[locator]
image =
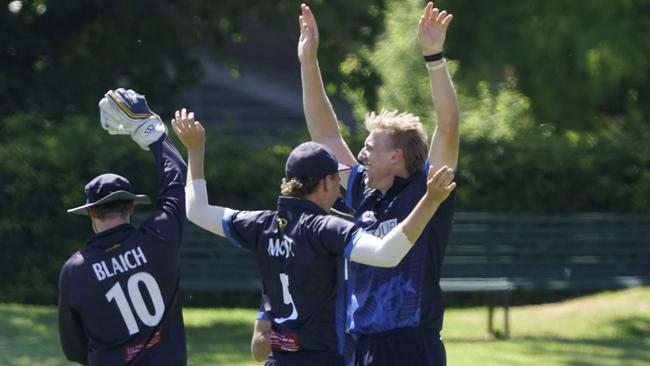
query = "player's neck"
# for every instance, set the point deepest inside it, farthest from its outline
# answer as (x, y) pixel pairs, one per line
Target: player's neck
(319, 200)
(388, 183)
(101, 225)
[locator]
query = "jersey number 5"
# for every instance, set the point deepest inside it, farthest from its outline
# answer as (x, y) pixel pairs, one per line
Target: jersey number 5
(116, 293)
(288, 300)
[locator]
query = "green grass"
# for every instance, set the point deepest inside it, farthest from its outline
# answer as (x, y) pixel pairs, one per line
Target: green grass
(610, 328)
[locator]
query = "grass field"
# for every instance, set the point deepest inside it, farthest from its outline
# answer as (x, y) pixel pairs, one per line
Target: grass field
(606, 329)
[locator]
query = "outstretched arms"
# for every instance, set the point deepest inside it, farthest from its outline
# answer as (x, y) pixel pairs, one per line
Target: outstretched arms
(321, 119)
(432, 30)
(199, 211)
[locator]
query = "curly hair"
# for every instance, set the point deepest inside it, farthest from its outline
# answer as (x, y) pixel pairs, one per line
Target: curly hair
(298, 188)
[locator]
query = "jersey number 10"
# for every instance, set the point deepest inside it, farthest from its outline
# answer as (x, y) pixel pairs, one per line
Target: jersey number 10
(116, 293)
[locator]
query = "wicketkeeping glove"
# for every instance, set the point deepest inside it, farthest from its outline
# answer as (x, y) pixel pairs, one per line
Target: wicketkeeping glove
(125, 112)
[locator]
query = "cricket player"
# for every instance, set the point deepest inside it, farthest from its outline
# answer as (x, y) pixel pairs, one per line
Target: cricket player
(298, 247)
(261, 337)
(395, 314)
(119, 295)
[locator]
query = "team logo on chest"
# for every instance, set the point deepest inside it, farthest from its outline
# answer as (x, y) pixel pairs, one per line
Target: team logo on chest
(368, 218)
(281, 247)
(384, 228)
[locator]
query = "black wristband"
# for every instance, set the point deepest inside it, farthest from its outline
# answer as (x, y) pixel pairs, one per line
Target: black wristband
(434, 57)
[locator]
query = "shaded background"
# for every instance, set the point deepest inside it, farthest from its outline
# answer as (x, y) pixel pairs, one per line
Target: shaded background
(554, 100)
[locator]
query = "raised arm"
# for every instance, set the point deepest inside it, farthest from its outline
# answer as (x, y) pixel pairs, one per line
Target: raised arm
(192, 135)
(319, 114)
(432, 30)
(389, 251)
(169, 217)
(124, 112)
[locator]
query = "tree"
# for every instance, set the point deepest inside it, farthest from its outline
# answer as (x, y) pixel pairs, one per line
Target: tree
(58, 57)
(511, 159)
(45, 165)
(583, 65)
(577, 61)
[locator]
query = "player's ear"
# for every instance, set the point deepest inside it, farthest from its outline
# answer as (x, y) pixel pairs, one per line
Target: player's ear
(131, 208)
(91, 212)
(398, 154)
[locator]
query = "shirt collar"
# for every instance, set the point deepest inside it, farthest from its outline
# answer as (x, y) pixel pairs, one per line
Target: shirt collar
(286, 203)
(400, 183)
(100, 239)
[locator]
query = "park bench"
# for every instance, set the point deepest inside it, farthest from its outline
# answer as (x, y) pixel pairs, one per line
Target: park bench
(488, 253)
(502, 253)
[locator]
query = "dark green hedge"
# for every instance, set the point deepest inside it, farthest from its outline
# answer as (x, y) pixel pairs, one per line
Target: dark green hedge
(45, 164)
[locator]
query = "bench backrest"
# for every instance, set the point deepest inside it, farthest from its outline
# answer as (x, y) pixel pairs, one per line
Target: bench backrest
(210, 262)
(531, 251)
(577, 251)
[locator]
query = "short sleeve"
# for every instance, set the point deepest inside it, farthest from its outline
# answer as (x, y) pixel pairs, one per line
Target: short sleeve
(243, 228)
(355, 187)
(263, 315)
(265, 308)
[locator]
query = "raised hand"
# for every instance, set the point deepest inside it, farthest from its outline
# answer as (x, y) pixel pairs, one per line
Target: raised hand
(440, 183)
(432, 29)
(190, 132)
(125, 112)
(308, 42)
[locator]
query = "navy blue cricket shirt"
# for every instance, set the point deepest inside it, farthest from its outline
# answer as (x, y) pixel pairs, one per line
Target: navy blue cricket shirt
(299, 250)
(408, 295)
(119, 295)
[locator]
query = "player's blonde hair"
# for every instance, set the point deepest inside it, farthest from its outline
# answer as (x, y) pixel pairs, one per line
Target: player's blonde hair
(406, 133)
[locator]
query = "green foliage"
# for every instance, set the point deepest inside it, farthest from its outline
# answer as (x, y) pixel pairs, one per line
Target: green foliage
(510, 163)
(510, 160)
(44, 166)
(58, 57)
(245, 173)
(514, 165)
(579, 63)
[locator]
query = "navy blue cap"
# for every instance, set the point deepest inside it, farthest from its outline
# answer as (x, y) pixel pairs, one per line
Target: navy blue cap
(107, 188)
(311, 160)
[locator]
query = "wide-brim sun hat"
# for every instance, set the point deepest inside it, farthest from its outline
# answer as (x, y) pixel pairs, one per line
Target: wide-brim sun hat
(107, 188)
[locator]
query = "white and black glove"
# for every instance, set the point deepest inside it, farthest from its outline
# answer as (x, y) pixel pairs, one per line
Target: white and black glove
(125, 112)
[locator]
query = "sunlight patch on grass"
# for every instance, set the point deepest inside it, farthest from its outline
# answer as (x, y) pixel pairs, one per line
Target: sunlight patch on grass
(607, 329)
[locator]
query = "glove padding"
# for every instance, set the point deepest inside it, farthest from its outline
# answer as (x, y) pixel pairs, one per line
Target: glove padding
(125, 112)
